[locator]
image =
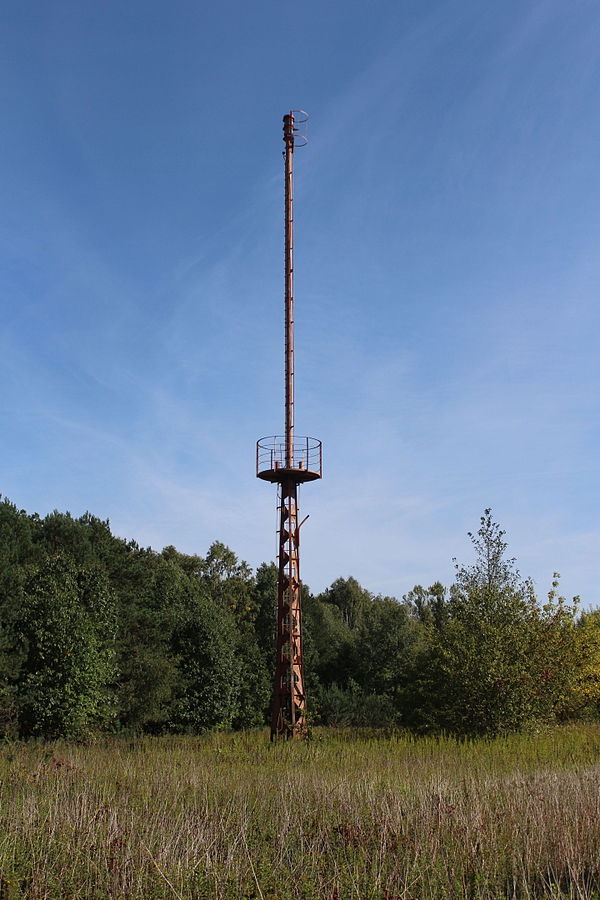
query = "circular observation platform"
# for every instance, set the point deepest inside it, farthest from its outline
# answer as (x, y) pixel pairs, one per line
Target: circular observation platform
(272, 464)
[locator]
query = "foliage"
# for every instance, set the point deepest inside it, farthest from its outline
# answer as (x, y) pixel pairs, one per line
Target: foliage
(353, 707)
(383, 654)
(66, 626)
(204, 643)
(18, 555)
(150, 591)
(428, 606)
(331, 640)
(586, 690)
(350, 598)
(98, 633)
(495, 660)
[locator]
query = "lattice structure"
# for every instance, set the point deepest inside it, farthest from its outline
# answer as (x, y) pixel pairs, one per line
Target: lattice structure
(289, 700)
(289, 461)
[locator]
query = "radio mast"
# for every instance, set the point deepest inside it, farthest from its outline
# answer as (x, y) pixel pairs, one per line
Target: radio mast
(289, 461)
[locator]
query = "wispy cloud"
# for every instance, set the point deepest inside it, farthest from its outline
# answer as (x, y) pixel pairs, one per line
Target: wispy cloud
(447, 283)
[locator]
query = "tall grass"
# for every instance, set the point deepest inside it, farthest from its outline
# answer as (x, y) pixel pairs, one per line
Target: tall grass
(344, 816)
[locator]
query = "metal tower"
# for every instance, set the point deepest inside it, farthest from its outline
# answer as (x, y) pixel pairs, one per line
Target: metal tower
(288, 461)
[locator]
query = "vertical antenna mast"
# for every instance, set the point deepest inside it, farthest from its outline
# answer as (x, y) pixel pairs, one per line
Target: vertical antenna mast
(288, 137)
(289, 461)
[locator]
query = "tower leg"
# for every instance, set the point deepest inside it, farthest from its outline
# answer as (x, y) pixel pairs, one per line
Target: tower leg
(289, 699)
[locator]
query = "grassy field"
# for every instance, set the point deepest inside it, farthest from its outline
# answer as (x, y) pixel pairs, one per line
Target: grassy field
(344, 815)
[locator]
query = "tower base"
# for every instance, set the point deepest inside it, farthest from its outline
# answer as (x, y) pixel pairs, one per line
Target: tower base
(289, 699)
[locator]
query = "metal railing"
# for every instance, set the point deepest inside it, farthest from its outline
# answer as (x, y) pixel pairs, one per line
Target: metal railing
(271, 454)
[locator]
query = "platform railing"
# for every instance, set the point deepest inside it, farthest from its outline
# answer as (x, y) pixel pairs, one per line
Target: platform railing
(271, 454)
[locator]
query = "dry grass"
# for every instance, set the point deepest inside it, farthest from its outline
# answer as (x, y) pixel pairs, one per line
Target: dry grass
(342, 817)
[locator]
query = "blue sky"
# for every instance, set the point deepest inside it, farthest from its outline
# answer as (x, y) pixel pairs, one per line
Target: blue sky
(447, 275)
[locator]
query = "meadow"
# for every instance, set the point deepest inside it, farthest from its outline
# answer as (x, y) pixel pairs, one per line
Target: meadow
(346, 815)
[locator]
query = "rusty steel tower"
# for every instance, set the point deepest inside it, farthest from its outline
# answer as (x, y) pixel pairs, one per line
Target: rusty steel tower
(289, 461)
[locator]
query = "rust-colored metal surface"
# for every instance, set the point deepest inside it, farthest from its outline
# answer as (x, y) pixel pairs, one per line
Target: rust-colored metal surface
(272, 457)
(289, 461)
(288, 137)
(288, 717)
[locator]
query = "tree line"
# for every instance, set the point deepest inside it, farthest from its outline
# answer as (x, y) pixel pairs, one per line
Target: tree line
(98, 634)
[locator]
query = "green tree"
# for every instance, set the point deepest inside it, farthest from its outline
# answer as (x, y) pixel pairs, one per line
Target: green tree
(204, 642)
(229, 583)
(151, 592)
(585, 695)
(329, 640)
(66, 627)
(349, 597)
(428, 606)
(383, 659)
(265, 603)
(489, 663)
(18, 554)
